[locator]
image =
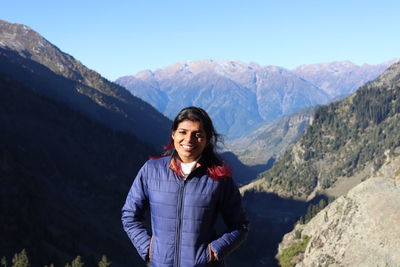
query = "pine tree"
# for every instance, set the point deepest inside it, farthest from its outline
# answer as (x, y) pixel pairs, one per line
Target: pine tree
(3, 262)
(301, 220)
(321, 204)
(77, 262)
(20, 259)
(104, 262)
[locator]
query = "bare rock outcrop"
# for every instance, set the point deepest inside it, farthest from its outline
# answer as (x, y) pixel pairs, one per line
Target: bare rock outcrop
(359, 229)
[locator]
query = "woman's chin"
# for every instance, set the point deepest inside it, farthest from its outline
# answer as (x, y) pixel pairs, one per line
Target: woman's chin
(188, 157)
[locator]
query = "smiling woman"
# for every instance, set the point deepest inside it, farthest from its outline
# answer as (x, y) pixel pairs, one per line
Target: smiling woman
(185, 190)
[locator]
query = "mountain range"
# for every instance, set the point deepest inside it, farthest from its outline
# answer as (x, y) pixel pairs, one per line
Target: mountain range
(340, 78)
(240, 97)
(237, 96)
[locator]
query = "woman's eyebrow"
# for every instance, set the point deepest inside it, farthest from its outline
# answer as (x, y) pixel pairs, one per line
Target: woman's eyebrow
(183, 129)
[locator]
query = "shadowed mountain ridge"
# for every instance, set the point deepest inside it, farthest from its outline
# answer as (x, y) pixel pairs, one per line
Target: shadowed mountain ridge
(85, 91)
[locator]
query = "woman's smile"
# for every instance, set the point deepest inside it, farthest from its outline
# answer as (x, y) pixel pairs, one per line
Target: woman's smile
(187, 147)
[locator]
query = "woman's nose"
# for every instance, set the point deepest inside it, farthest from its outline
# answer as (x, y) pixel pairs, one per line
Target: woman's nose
(190, 138)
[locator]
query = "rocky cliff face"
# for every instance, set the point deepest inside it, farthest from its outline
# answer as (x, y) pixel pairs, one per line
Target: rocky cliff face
(359, 229)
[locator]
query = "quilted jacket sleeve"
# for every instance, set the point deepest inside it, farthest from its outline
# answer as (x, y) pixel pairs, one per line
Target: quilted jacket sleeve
(133, 214)
(234, 216)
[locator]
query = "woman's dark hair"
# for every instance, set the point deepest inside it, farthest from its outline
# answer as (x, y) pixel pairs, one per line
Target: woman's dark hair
(217, 169)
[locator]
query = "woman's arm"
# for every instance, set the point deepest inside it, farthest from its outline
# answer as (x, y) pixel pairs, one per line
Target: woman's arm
(234, 216)
(133, 214)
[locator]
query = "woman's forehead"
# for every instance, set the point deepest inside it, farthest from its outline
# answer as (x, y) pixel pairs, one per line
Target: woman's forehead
(191, 125)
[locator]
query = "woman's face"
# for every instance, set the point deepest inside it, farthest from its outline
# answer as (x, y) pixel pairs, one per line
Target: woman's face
(189, 140)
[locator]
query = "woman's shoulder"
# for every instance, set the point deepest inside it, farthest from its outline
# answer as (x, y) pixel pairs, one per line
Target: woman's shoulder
(158, 162)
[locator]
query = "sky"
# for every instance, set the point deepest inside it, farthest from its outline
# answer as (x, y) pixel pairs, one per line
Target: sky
(122, 37)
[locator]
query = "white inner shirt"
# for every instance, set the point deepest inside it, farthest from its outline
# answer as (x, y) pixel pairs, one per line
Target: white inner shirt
(187, 168)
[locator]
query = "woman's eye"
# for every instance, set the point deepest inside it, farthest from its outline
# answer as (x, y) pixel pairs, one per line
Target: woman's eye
(199, 135)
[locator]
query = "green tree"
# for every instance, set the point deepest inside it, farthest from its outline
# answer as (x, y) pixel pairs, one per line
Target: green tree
(77, 262)
(21, 259)
(321, 204)
(3, 262)
(104, 262)
(297, 234)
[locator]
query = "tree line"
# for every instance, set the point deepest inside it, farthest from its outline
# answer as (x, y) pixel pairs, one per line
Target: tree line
(21, 260)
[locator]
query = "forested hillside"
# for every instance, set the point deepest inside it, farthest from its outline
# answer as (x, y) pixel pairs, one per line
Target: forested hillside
(344, 139)
(63, 181)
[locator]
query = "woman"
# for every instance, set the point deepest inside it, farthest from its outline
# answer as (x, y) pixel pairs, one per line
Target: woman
(185, 190)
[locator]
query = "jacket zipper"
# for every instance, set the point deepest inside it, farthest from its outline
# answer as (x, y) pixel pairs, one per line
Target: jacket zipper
(179, 222)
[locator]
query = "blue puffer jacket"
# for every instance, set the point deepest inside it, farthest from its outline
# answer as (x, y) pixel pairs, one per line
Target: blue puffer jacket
(183, 215)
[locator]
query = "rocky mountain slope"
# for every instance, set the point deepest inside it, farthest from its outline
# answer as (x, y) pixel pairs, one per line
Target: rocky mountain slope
(340, 78)
(346, 139)
(25, 55)
(238, 96)
(358, 229)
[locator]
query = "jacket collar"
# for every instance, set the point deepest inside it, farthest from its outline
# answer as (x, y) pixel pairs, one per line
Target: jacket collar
(174, 161)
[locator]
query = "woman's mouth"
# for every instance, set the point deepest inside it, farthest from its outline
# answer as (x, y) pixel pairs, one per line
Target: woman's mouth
(188, 147)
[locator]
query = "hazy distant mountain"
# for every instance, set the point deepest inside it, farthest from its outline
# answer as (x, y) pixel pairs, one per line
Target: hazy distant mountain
(271, 139)
(238, 96)
(342, 77)
(25, 55)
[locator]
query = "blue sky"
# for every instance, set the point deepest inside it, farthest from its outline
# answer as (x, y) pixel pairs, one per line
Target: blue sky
(122, 37)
